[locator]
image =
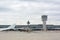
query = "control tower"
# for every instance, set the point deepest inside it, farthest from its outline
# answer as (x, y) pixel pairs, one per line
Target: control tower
(44, 19)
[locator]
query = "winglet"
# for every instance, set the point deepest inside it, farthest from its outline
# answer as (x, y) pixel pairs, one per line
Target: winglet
(12, 26)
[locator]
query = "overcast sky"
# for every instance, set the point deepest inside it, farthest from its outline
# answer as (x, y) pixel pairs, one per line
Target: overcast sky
(20, 11)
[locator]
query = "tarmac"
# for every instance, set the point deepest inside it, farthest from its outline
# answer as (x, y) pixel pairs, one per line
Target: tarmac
(35, 35)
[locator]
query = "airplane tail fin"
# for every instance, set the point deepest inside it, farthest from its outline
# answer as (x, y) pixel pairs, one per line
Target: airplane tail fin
(12, 26)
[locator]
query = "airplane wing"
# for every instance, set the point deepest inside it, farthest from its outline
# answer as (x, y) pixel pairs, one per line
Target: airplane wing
(10, 27)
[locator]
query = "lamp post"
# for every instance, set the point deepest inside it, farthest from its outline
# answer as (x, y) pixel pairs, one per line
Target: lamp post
(28, 27)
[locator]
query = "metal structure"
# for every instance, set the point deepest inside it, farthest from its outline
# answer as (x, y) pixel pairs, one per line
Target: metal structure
(44, 19)
(28, 26)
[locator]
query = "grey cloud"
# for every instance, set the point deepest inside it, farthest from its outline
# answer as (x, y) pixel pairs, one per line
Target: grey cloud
(42, 0)
(39, 0)
(46, 1)
(4, 9)
(56, 14)
(35, 11)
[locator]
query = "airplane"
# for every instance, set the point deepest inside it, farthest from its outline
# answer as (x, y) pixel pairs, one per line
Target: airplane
(8, 28)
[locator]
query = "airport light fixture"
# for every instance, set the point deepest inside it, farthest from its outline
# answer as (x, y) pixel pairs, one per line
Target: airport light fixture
(28, 22)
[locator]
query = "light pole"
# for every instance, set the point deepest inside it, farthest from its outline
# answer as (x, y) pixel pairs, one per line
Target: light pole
(44, 19)
(28, 27)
